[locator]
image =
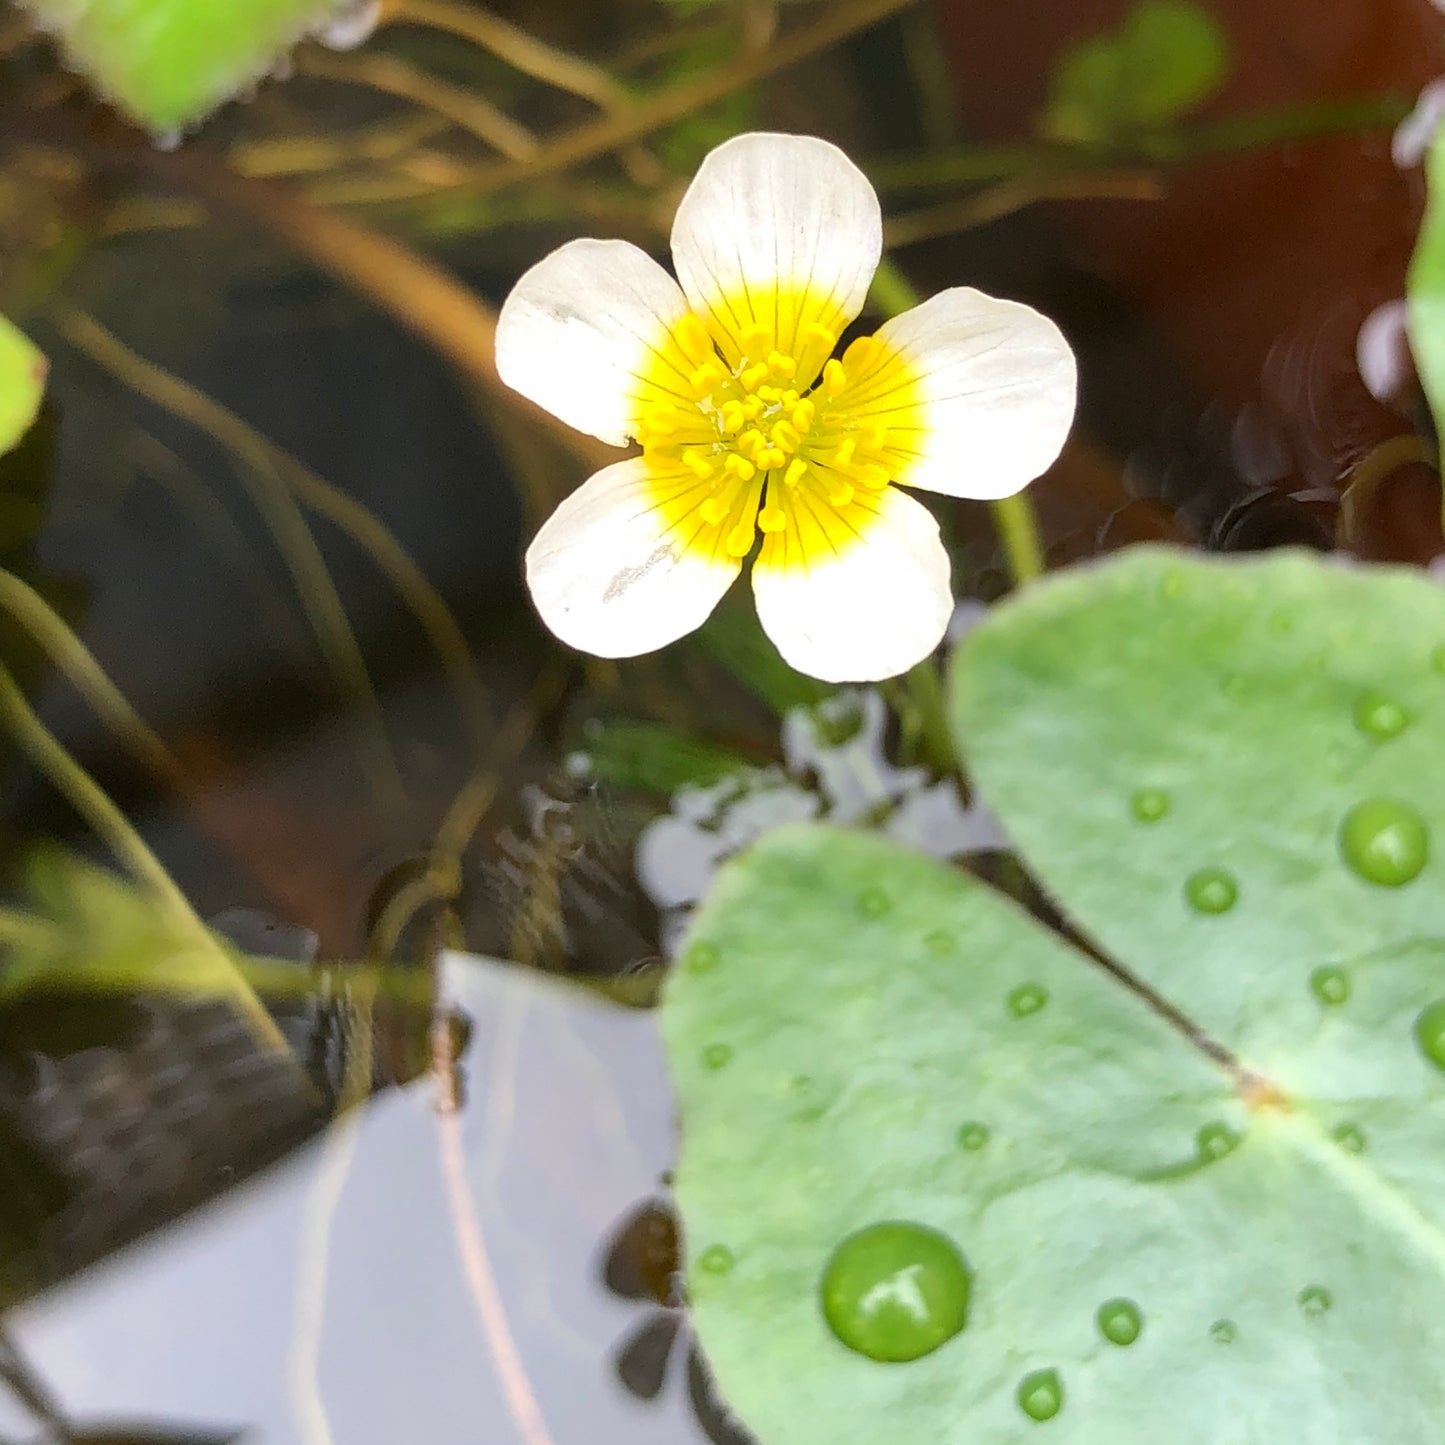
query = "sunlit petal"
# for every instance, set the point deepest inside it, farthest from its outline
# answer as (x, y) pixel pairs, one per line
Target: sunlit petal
(623, 566)
(968, 395)
(855, 593)
(775, 243)
(586, 334)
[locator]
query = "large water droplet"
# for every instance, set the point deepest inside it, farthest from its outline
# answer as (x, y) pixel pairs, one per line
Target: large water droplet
(1149, 804)
(1119, 1321)
(1223, 1332)
(716, 1056)
(716, 1259)
(973, 1137)
(1315, 1300)
(896, 1291)
(1378, 716)
(1041, 1394)
(1430, 1032)
(1211, 890)
(703, 958)
(1385, 841)
(1026, 999)
(1214, 1140)
(874, 903)
(1330, 985)
(1350, 1138)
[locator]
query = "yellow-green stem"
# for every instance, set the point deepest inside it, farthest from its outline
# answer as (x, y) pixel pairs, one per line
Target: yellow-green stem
(1018, 529)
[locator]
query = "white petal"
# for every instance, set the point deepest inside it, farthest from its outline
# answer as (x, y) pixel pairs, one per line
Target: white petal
(984, 399)
(609, 573)
(767, 220)
(581, 328)
(869, 609)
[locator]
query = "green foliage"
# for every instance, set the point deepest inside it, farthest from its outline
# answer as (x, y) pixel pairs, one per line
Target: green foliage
(1425, 287)
(170, 62)
(1216, 1219)
(22, 384)
(1167, 57)
(653, 757)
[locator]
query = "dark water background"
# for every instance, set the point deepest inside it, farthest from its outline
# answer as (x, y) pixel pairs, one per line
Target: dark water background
(1216, 309)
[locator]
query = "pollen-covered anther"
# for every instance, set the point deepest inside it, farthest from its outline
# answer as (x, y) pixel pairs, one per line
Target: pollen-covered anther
(740, 467)
(700, 462)
(786, 437)
(840, 493)
(819, 335)
(802, 416)
(752, 377)
(773, 457)
(797, 470)
(781, 365)
(662, 418)
(872, 476)
(740, 539)
(834, 377)
(706, 379)
(844, 454)
(754, 337)
(693, 340)
(713, 510)
(732, 416)
(772, 519)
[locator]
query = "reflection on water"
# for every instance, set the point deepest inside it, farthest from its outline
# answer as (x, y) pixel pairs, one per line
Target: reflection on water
(290, 535)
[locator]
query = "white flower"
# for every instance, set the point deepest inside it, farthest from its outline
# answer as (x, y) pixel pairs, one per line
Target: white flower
(747, 425)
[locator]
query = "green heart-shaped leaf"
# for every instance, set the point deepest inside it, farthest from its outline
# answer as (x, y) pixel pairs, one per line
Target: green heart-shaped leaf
(171, 62)
(22, 384)
(1168, 1236)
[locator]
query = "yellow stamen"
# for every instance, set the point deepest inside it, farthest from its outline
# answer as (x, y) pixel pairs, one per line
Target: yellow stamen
(707, 378)
(661, 417)
(740, 467)
(699, 461)
(740, 540)
(819, 335)
(861, 354)
(755, 336)
(713, 510)
(797, 469)
(753, 376)
(874, 477)
(772, 519)
(782, 365)
(834, 378)
(803, 415)
(841, 494)
(786, 437)
(844, 454)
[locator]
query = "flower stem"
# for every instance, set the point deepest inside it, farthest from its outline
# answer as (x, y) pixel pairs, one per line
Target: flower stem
(1018, 528)
(925, 692)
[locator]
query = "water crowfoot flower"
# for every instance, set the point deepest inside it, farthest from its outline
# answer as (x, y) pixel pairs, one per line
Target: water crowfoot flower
(750, 426)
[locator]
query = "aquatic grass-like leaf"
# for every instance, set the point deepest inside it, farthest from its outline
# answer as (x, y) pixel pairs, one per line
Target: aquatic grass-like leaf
(1165, 59)
(1167, 1235)
(22, 384)
(168, 63)
(1425, 287)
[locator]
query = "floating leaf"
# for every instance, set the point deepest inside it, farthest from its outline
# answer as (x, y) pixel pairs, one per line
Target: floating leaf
(1167, 57)
(171, 62)
(1157, 1241)
(22, 384)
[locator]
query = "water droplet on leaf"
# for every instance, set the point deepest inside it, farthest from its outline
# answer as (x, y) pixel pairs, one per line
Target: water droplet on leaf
(1223, 1332)
(1041, 1394)
(715, 1056)
(1378, 716)
(1430, 1032)
(716, 1259)
(973, 1137)
(1211, 890)
(1214, 1140)
(1149, 804)
(1174, 586)
(1119, 1321)
(1385, 841)
(703, 958)
(896, 1291)
(874, 903)
(1330, 985)
(940, 941)
(1235, 685)
(1026, 999)
(1350, 1138)
(1315, 1300)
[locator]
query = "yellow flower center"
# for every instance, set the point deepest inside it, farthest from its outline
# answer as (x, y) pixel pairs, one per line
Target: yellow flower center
(766, 443)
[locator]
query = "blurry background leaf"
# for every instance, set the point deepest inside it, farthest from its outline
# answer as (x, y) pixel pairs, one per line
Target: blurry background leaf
(1425, 287)
(1168, 57)
(169, 62)
(22, 384)
(652, 757)
(153, 1435)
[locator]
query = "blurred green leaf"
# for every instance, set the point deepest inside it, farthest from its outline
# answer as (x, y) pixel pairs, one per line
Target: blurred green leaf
(22, 384)
(1168, 57)
(170, 62)
(735, 640)
(652, 757)
(1425, 286)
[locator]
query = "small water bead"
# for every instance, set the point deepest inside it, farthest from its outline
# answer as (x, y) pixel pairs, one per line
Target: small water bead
(1119, 1321)
(1315, 1300)
(717, 1056)
(1378, 716)
(1214, 1140)
(973, 1137)
(1385, 841)
(1211, 890)
(1149, 804)
(1430, 1032)
(940, 941)
(703, 958)
(1350, 1138)
(896, 1291)
(1223, 1332)
(1041, 1394)
(1331, 985)
(1174, 586)
(874, 903)
(1026, 999)
(716, 1259)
